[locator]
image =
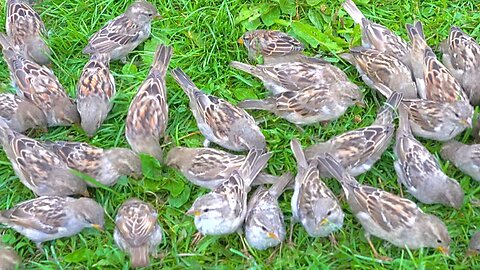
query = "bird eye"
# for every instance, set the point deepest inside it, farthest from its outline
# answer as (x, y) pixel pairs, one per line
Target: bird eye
(206, 210)
(329, 212)
(439, 241)
(264, 228)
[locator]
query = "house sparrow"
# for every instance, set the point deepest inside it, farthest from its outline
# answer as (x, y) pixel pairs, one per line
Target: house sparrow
(377, 36)
(105, 165)
(464, 157)
(380, 70)
(21, 114)
(274, 46)
(137, 231)
(264, 226)
(38, 168)
(296, 76)
(148, 113)
(420, 172)
(219, 121)
(438, 83)
(313, 203)
(437, 120)
(461, 56)
(95, 91)
(314, 104)
(40, 86)
(209, 167)
(25, 29)
(359, 149)
(387, 216)
(48, 218)
(223, 210)
(474, 245)
(124, 33)
(9, 259)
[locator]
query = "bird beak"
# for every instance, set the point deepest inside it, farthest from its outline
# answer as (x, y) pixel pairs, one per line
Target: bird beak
(98, 227)
(157, 17)
(467, 123)
(272, 235)
(323, 222)
(444, 250)
(192, 212)
(86, 194)
(240, 41)
(360, 103)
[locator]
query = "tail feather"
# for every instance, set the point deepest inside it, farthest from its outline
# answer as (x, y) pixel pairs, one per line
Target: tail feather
(262, 104)
(338, 172)
(243, 67)
(255, 161)
(415, 32)
(353, 11)
(298, 153)
(5, 41)
(162, 57)
(349, 57)
(278, 187)
(139, 256)
(404, 127)
(184, 81)
(5, 132)
(385, 113)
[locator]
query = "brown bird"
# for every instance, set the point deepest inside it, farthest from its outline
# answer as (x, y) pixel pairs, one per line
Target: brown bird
(20, 114)
(148, 113)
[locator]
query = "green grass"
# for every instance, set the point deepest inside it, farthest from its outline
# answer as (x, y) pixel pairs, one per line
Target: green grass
(204, 34)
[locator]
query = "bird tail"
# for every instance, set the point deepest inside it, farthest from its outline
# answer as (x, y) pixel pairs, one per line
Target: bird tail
(255, 161)
(404, 125)
(5, 41)
(250, 104)
(278, 187)
(298, 153)
(244, 67)
(139, 256)
(338, 172)
(353, 11)
(162, 57)
(185, 82)
(385, 114)
(5, 131)
(449, 149)
(415, 33)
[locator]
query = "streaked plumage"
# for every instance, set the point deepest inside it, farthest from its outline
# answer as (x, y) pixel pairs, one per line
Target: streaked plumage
(20, 114)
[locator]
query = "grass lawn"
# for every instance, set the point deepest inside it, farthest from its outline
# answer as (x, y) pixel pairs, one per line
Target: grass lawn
(204, 35)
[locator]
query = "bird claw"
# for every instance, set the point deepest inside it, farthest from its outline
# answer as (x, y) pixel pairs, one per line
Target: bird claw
(197, 238)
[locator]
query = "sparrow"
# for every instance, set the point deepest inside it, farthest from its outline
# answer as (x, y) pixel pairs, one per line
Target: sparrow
(95, 91)
(438, 83)
(222, 211)
(274, 46)
(147, 115)
(264, 224)
(382, 71)
(209, 167)
(474, 245)
(137, 231)
(296, 76)
(48, 218)
(313, 204)
(461, 56)
(20, 114)
(316, 103)
(437, 120)
(359, 149)
(26, 29)
(124, 33)
(40, 86)
(218, 120)
(39, 169)
(464, 157)
(420, 172)
(387, 216)
(377, 36)
(104, 165)
(9, 259)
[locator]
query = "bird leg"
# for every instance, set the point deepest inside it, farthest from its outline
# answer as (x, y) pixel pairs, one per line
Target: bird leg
(400, 186)
(333, 241)
(299, 128)
(197, 238)
(244, 246)
(375, 253)
(292, 223)
(40, 247)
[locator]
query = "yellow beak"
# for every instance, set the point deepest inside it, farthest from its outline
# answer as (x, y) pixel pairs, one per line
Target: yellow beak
(240, 41)
(98, 227)
(444, 250)
(324, 221)
(193, 212)
(272, 235)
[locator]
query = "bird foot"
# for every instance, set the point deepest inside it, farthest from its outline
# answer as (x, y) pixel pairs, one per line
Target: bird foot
(197, 238)
(333, 241)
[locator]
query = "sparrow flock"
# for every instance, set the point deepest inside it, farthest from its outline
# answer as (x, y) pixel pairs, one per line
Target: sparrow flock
(434, 100)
